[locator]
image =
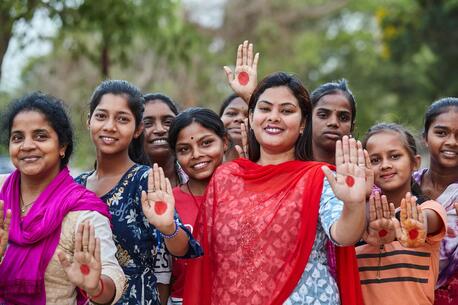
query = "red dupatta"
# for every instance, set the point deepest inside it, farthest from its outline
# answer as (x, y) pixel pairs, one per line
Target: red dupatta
(257, 227)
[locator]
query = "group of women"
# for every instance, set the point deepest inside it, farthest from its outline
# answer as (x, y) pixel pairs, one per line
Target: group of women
(273, 201)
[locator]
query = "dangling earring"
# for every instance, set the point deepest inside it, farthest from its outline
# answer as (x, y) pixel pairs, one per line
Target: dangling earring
(62, 155)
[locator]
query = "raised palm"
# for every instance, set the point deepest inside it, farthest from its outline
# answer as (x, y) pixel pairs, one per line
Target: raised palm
(5, 221)
(349, 183)
(411, 230)
(158, 203)
(245, 79)
(85, 269)
(381, 228)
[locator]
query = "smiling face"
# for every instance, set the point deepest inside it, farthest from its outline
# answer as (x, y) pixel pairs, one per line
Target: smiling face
(157, 119)
(233, 116)
(199, 151)
(331, 120)
(442, 140)
(34, 145)
(391, 161)
(112, 125)
(277, 120)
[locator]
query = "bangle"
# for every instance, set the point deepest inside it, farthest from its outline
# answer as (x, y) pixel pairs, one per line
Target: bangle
(98, 294)
(175, 233)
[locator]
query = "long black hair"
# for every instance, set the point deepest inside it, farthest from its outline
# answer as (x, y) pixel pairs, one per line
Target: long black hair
(149, 97)
(280, 79)
(135, 102)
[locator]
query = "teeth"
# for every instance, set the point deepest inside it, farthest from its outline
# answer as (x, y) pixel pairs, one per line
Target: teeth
(200, 165)
(449, 153)
(160, 142)
(29, 159)
(273, 129)
(108, 139)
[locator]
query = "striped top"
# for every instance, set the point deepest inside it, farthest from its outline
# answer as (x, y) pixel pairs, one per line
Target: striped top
(395, 275)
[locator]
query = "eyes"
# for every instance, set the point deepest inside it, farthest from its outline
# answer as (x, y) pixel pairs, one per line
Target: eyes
(121, 118)
(150, 122)
(286, 110)
(185, 148)
(38, 136)
(375, 160)
(342, 116)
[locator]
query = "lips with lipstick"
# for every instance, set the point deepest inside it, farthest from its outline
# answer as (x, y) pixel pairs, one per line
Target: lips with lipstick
(273, 130)
(387, 176)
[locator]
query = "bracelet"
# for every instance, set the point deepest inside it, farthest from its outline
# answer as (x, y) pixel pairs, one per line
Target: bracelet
(175, 233)
(98, 294)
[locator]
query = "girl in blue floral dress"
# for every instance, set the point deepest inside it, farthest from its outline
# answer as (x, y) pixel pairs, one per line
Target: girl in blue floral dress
(140, 199)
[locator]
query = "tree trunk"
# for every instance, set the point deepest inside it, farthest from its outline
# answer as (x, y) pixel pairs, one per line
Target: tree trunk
(6, 31)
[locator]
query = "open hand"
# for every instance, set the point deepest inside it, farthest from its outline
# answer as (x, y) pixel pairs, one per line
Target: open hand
(4, 229)
(85, 269)
(243, 150)
(245, 80)
(411, 232)
(158, 203)
(349, 183)
(381, 228)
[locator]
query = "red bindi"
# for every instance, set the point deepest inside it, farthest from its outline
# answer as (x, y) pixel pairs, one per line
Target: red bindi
(84, 269)
(350, 181)
(382, 233)
(244, 78)
(160, 207)
(413, 233)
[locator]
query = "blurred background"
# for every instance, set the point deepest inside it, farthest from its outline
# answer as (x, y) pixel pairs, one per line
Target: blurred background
(398, 55)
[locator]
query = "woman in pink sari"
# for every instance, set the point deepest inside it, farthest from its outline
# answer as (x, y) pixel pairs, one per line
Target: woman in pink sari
(59, 247)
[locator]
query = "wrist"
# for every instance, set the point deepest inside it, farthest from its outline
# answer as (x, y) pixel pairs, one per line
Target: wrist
(169, 229)
(97, 291)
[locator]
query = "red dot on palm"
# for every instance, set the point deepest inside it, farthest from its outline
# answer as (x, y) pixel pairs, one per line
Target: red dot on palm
(85, 269)
(413, 233)
(160, 207)
(382, 233)
(243, 78)
(350, 181)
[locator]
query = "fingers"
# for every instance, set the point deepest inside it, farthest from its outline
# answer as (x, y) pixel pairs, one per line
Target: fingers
(392, 210)
(1, 213)
(145, 202)
(360, 154)
(156, 177)
(85, 240)
(238, 61)
(79, 238)
(385, 207)
(329, 175)
(244, 53)
(403, 210)
(250, 55)
(421, 217)
(339, 153)
(244, 134)
(353, 151)
(345, 149)
(397, 229)
(63, 260)
(255, 63)
(151, 181)
(367, 160)
(378, 206)
(408, 205)
(162, 178)
(240, 151)
(372, 212)
(168, 187)
(229, 74)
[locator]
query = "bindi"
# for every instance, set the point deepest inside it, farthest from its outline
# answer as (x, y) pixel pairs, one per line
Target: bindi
(413, 233)
(160, 207)
(243, 78)
(350, 181)
(84, 269)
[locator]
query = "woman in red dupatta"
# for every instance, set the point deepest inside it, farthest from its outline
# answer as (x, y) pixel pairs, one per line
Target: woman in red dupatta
(265, 222)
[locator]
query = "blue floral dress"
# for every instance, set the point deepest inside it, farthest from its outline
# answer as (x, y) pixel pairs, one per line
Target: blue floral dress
(136, 240)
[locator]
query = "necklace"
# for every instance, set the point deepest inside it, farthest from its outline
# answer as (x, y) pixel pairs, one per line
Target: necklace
(23, 205)
(192, 195)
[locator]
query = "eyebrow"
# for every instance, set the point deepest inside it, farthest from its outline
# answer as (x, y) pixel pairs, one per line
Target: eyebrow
(441, 127)
(197, 139)
(329, 110)
(282, 104)
(119, 112)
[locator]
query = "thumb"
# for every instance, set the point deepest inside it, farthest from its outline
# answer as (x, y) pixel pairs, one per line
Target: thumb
(63, 260)
(397, 228)
(229, 73)
(145, 204)
(240, 151)
(329, 175)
